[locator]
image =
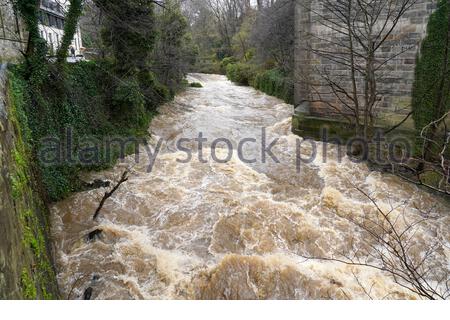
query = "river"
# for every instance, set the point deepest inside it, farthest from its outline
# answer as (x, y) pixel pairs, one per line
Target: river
(236, 229)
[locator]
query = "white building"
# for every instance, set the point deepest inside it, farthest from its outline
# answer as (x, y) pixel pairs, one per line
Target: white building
(51, 27)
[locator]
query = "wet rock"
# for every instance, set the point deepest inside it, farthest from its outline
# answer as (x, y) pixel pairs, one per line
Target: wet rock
(96, 184)
(88, 293)
(95, 278)
(94, 235)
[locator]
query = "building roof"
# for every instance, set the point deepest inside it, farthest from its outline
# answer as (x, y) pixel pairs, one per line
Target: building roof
(54, 7)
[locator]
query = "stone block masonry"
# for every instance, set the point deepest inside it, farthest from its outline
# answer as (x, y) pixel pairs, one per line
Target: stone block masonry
(26, 264)
(396, 77)
(12, 33)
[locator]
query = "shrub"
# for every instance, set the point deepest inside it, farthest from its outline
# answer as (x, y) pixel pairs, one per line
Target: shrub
(195, 85)
(225, 62)
(275, 83)
(241, 73)
(154, 92)
(128, 102)
(94, 105)
(431, 91)
(208, 67)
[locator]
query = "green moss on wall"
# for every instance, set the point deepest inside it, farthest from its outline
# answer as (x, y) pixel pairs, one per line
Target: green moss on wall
(43, 275)
(28, 287)
(313, 128)
(19, 178)
(37, 279)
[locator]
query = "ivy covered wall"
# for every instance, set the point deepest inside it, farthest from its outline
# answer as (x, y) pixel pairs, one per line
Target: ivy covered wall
(431, 93)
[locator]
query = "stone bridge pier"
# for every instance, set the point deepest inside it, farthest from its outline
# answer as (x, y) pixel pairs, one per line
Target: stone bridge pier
(396, 76)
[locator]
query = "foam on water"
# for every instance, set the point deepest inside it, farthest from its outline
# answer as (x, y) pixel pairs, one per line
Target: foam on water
(232, 230)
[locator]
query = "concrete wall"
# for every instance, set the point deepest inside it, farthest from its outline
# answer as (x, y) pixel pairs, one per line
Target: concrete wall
(397, 76)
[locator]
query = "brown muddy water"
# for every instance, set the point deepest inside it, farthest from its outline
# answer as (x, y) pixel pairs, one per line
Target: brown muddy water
(235, 230)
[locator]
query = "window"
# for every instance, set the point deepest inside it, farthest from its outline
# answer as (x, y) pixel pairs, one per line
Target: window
(43, 18)
(60, 23)
(52, 21)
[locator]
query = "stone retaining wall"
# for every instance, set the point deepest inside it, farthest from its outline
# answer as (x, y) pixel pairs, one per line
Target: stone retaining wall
(26, 263)
(11, 33)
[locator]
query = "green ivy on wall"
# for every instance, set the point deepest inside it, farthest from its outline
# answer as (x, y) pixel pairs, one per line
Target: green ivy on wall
(431, 92)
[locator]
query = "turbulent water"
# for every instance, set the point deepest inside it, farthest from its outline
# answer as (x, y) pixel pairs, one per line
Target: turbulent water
(234, 230)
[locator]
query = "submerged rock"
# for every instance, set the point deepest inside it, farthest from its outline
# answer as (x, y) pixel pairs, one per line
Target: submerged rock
(88, 293)
(94, 235)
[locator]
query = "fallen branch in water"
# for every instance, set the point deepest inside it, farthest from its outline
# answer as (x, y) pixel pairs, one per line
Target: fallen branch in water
(94, 235)
(108, 195)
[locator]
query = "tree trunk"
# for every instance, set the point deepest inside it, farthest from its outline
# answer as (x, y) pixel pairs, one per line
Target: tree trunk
(70, 28)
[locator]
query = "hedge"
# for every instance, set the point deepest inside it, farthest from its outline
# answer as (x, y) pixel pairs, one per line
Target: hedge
(275, 83)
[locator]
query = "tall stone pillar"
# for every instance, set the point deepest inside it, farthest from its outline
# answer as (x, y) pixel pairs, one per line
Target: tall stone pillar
(302, 56)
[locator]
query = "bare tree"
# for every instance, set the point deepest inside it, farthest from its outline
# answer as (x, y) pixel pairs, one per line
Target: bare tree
(353, 34)
(387, 241)
(274, 34)
(229, 15)
(431, 172)
(261, 4)
(91, 25)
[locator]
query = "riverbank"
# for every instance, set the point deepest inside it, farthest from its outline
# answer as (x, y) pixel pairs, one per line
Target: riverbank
(48, 133)
(84, 107)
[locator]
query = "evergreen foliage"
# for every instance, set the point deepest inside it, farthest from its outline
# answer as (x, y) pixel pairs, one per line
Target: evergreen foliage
(431, 92)
(241, 73)
(275, 83)
(174, 50)
(70, 28)
(87, 112)
(130, 33)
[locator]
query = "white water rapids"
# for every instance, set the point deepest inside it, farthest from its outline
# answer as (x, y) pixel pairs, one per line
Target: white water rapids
(233, 230)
